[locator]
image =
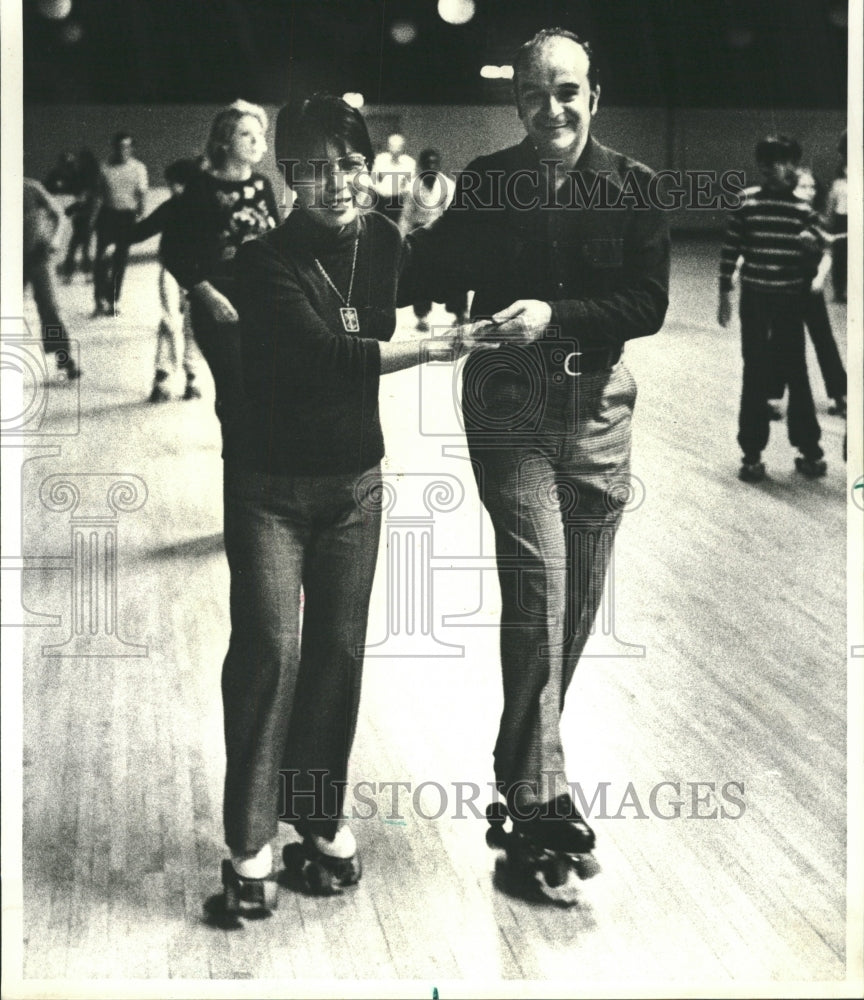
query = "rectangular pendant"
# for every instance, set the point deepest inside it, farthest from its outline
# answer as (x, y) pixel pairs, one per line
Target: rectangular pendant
(350, 320)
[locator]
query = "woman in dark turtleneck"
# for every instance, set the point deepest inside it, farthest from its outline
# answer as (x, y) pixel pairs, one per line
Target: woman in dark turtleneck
(316, 299)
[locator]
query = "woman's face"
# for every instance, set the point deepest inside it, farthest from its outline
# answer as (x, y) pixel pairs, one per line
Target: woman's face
(248, 144)
(325, 185)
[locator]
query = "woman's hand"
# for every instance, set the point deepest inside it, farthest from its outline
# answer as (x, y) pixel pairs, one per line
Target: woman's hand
(217, 305)
(479, 335)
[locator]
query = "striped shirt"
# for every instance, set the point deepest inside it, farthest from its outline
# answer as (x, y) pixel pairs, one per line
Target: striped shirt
(774, 235)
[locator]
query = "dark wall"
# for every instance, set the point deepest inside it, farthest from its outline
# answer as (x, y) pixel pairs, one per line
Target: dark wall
(693, 139)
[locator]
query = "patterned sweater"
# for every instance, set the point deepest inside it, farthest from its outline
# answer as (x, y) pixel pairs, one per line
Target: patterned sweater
(774, 234)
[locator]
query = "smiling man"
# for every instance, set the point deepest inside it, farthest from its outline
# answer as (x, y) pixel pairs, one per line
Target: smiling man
(564, 281)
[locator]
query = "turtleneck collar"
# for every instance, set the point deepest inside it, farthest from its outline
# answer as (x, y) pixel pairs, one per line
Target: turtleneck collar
(321, 239)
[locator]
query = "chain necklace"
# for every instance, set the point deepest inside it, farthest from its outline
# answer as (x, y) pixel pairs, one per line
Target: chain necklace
(350, 319)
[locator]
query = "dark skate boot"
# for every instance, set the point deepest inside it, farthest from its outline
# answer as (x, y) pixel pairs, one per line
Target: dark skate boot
(548, 855)
(252, 898)
(322, 867)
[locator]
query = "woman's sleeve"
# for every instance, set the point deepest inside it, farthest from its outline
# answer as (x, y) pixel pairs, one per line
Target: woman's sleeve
(187, 256)
(284, 339)
(272, 204)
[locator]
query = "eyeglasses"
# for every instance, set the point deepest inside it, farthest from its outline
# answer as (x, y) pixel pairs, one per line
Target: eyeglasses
(319, 170)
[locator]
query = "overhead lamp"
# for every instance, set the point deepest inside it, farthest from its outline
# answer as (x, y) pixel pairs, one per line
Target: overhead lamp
(456, 11)
(54, 10)
(403, 32)
(490, 72)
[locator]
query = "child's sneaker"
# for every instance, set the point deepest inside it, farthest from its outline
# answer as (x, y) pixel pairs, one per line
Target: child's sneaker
(812, 468)
(838, 407)
(191, 391)
(751, 472)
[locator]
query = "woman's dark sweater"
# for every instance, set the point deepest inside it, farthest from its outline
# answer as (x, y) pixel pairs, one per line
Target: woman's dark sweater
(312, 388)
(210, 220)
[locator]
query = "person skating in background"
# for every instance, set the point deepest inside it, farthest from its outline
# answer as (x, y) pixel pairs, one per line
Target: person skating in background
(773, 234)
(81, 214)
(224, 204)
(61, 178)
(818, 263)
(42, 223)
(174, 337)
(426, 199)
(838, 223)
(392, 173)
(120, 198)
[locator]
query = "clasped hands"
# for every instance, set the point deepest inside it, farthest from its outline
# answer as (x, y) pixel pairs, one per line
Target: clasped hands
(520, 324)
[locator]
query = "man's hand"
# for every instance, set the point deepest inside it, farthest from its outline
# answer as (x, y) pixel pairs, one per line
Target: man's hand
(521, 323)
(724, 310)
(217, 305)
(461, 340)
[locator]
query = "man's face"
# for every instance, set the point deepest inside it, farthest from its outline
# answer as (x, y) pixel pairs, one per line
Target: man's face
(554, 99)
(124, 150)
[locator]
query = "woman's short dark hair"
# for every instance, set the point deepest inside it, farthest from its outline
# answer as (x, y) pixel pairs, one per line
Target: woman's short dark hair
(303, 132)
(541, 39)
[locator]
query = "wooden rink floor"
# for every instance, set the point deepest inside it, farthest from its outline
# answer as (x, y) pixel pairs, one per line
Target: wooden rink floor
(725, 663)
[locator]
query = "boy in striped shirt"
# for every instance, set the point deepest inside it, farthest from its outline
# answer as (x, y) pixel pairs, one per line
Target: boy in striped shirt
(773, 233)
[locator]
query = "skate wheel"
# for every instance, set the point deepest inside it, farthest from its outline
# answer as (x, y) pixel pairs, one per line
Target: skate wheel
(270, 894)
(587, 866)
(496, 837)
(293, 857)
(231, 901)
(319, 879)
(350, 872)
(555, 871)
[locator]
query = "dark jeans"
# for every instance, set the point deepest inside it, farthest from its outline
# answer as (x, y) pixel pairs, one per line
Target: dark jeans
(772, 346)
(290, 700)
(553, 493)
(38, 272)
(82, 235)
(112, 226)
(818, 325)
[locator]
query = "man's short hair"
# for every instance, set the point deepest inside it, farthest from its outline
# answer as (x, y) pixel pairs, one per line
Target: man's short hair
(302, 133)
(120, 137)
(534, 44)
(777, 149)
(426, 156)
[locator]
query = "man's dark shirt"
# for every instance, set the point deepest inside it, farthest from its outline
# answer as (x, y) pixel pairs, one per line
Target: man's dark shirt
(604, 270)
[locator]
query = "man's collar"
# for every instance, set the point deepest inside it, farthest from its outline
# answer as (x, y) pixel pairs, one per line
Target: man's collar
(594, 159)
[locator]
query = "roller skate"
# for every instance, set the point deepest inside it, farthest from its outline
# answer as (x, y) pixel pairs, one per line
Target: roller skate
(252, 898)
(548, 856)
(322, 867)
(812, 468)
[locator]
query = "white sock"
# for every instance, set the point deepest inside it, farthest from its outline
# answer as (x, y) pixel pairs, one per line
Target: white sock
(254, 865)
(343, 845)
